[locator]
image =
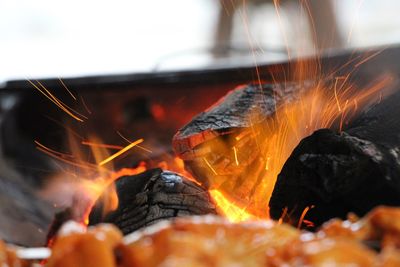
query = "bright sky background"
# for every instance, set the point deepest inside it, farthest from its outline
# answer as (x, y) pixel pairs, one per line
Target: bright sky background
(64, 38)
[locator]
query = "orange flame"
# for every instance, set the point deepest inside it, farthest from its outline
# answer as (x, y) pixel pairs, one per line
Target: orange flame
(89, 179)
(314, 109)
(229, 209)
(314, 106)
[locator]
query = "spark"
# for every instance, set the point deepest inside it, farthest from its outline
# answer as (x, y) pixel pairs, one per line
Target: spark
(276, 5)
(125, 149)
(312, 23)
(354, 21)
(66, 88)
(303, 214)
(236, 156)
(241, 135)
(308, 223)
(43, 90)
(336, 96)
(243, 15)
(355, 104)
(129, 141)
(368, 58)
(51, 150)
(58, 101)
(66, 158)
(285, 210)
(85, 106)
(209, 165)
(267, 164)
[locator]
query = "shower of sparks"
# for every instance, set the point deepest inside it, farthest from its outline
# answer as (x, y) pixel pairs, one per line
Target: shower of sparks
(292, 122)
(44, 91)
(122, 151)
(66, 158)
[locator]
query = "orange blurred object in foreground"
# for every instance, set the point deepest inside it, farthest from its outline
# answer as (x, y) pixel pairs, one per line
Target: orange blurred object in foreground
(83, 249)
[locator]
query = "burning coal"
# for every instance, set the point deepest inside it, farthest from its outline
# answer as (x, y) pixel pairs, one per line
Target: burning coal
(238, 146)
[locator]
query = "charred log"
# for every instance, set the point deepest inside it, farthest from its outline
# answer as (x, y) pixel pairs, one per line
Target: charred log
(338, 173)
(153, 196)
(231, 115)
(206, 143)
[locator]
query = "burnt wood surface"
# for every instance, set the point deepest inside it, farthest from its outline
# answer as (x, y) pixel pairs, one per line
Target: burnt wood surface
(337, 173)
(232, 114)
(152, 196)
(206, 143)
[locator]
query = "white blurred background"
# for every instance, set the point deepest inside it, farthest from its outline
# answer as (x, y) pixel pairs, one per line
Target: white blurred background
(66, 38)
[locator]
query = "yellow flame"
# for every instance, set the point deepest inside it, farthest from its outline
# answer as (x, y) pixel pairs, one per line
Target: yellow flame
(318, 106)
(229, 209)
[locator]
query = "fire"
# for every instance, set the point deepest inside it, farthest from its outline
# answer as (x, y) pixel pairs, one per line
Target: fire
(226, 206)
(102, 186)
(319, 107)
(245, 165)
(323, 101)
(229, 209)
(89, 180)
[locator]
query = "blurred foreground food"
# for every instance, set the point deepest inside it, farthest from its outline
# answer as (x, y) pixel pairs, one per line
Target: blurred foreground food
(212, 241)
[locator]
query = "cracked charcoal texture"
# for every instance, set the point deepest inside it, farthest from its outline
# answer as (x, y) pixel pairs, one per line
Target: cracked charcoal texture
(232, 112)
(209, 138)
(340, 173)
(152, 196)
